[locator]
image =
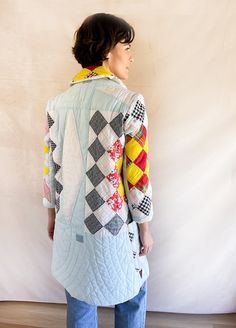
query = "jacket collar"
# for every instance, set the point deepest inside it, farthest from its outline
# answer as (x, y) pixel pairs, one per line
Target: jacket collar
(94, 73)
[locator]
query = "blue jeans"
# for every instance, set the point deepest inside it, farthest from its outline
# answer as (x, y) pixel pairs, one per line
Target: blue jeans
(130, 314)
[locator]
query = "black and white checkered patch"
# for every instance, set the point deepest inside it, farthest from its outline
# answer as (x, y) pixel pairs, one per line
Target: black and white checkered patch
(145, 205)
(138, 111)
(126, 117)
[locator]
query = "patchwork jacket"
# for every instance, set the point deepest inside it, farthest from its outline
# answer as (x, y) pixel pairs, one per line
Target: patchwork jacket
(96, 175)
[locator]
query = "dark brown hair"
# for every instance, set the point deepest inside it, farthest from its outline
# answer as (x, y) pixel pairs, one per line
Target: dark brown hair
(99, 34)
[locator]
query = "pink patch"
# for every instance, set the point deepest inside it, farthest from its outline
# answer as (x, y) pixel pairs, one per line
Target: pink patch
(46, 191)
(116, 150)
(115, 201)
(46, 127)
(114, 177)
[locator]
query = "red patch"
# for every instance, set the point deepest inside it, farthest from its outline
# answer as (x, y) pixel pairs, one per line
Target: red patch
(116, 150)
(115, 201)
(114, 177)
(141, 160)
(142, 184)
(141, 135)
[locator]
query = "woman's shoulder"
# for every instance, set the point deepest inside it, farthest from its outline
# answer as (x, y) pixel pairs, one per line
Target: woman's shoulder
(117, 89)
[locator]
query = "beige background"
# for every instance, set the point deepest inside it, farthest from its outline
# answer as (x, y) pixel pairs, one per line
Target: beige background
(185, 67)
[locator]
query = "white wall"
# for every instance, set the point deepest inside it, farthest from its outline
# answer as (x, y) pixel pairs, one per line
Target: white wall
(185, 67)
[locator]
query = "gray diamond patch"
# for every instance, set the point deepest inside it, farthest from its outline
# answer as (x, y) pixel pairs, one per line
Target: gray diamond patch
(114, 225)
(96, 149)
(129, 217)
(117, 125)
(97, 122)
(58, 186)
(57, 204)
(92, 224)
(94, 200)
(95, 175)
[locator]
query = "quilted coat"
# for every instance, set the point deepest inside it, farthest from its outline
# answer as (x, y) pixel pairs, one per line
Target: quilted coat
(96, 175)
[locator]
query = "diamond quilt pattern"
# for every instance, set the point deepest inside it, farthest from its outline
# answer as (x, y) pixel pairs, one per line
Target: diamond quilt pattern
(105, 147)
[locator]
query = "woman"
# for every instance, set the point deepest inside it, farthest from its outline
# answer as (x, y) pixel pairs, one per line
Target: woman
(96, 182)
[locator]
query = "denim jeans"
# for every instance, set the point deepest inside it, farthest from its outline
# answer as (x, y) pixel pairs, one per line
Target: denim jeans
(130, 314)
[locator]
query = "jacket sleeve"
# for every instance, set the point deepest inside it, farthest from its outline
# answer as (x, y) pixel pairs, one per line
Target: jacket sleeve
(48, 168)
(136, 181)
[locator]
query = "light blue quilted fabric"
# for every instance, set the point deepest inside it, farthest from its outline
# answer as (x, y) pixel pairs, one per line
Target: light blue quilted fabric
(96, 241)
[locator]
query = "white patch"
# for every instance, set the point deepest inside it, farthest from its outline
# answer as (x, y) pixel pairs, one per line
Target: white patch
(72, 164)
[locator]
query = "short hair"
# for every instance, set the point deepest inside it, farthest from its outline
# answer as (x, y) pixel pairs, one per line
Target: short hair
(98, 34)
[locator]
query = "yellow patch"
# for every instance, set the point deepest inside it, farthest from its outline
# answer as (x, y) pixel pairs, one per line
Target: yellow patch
(121, 190)
(133, 173)
(119, 164)
(45, 170)
(45, 149)
(133, 149)
(146, 145)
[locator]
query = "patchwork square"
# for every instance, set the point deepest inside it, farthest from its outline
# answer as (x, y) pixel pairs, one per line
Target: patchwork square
(56, 167)
(58, 186)
(126, 117)
(114, 177)
(94, 200)
(46, 190)
(141, 135)
(105, 189)
(133, 173)
(52, 145)
(96, 149)
(121, 189)
(133, 149)
(116, 150)
(140, 161)
(92, 223)
(116, 124)
(119, 163)
(115, 201)
(50, 121)
(138, 111)
(114, 225)
(104, 214)
(142, 184)
(95, 175)
(107, 136)
(145, 205)
(57, 204)
(97, 122)
(105, 163)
